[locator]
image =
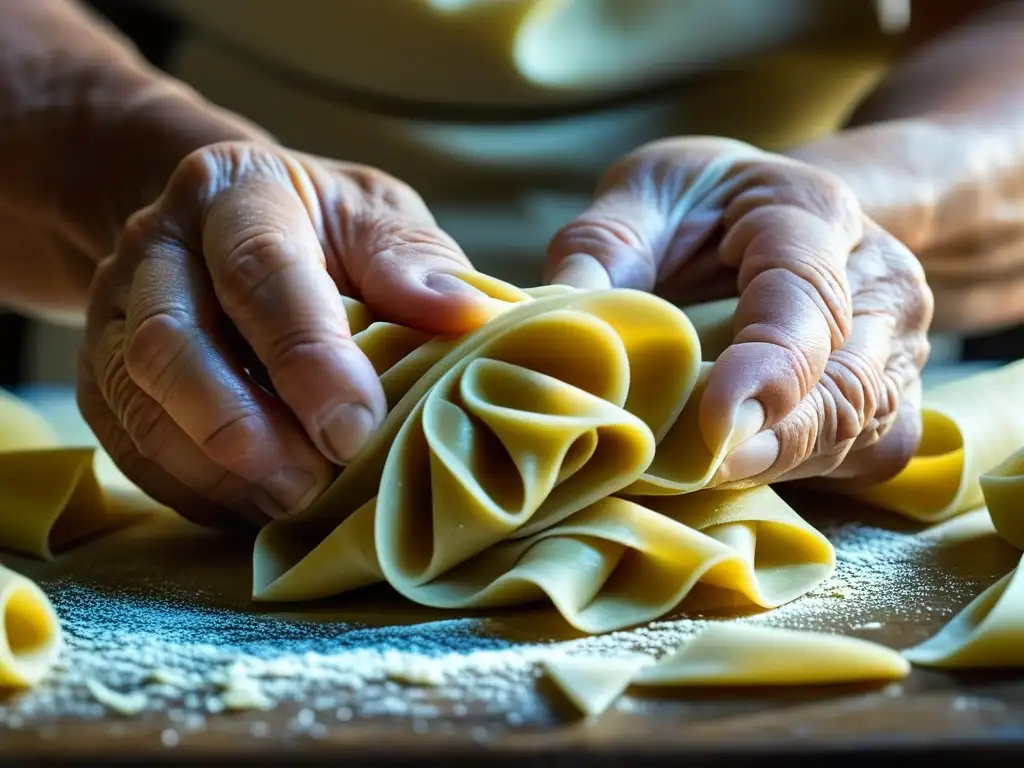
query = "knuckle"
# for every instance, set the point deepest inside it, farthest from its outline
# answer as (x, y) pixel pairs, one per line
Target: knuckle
(858, 393)
(822, 192)
(154, 353)
(237, 440)
(920, 351)
(594, 233)
(377, 190)
(143, 420)
(905, 278)
(294, 349)
(250, 265)
(200, 173)
(389, 241)
(206, 171)
(804, 189)
(139, 231)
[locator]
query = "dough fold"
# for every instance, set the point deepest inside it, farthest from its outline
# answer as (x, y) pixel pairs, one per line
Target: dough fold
(989, 632)
(31, 638)
(553, 454)
(52, 499)
(969, 426)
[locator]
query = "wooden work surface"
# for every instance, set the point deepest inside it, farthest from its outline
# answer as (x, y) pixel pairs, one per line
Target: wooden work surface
(940, 716)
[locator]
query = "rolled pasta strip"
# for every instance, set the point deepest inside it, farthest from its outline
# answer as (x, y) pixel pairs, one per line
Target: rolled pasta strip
(989, 632)
(502, 472)
(969, 427)
(31, 637)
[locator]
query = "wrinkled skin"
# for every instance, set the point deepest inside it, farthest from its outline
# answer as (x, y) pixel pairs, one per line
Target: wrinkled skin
(831, 326)
(236, 268)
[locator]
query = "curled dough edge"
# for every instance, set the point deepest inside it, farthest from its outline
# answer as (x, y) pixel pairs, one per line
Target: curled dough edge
(989, 632)
(31, 639)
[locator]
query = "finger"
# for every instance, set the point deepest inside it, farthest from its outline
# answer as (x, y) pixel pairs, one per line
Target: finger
(653, 211)
(398, 260)
(268, 271)
(859, 396)
(172, 353)
(856, 390)
(204, 495)
(790, 247)
(615, 242)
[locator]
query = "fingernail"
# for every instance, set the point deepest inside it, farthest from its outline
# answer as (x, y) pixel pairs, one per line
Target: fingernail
(290, 487)
(451, 285)
(261, 503)
(719, 434)
(345, 430)
(750, 418)
(751, 458)
(581, 270)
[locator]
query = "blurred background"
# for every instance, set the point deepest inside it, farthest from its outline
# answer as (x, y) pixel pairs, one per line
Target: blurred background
(40, 354)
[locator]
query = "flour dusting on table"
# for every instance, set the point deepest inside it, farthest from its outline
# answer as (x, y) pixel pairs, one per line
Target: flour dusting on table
(156, 650)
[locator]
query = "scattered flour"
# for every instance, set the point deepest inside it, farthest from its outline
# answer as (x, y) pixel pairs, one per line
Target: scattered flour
(156, 650)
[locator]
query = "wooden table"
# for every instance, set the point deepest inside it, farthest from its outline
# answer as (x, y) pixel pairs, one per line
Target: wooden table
(940, 717)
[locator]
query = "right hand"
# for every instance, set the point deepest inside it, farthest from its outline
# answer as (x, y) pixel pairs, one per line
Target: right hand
(239, 265)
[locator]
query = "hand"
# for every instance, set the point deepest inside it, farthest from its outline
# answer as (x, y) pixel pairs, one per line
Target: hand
(831, 324)
(235, 269)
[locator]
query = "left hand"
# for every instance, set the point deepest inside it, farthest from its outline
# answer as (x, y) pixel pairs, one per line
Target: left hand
(831, 325)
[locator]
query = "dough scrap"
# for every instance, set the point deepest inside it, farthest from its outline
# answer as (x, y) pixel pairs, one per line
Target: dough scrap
(31, 638)
(553, 454)
(736, 654)
(125, 704)
(592, 683)
(729, 654)
(989, 632)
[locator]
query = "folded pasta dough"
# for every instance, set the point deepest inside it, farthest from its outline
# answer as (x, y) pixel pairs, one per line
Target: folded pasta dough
(969, 426)
(1003, 490)
(30, 637)
(989, 632)
(50, 496)
(544, 456)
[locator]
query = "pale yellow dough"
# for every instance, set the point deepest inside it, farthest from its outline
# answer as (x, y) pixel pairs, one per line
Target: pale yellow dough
(31, 639)
(592, 683)
(736, 654)
(729, 654)
(553, 454)
(990, 631)
(50, 499)
(969, 426)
